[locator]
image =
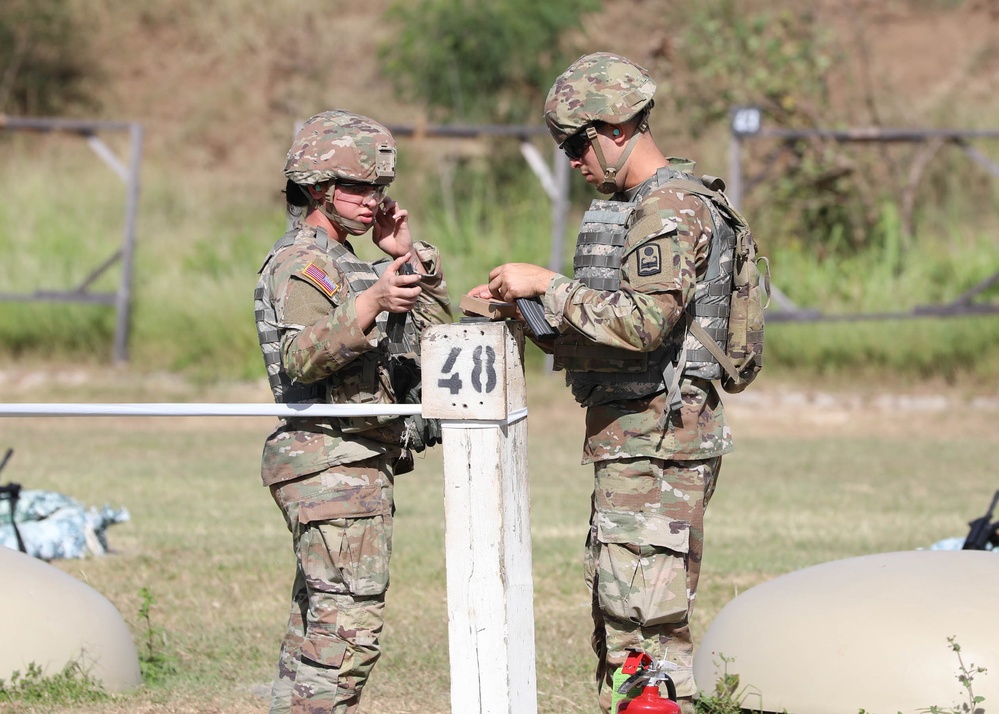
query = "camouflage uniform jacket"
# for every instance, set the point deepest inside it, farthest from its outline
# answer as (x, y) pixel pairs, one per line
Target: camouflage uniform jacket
(321, 345)
(638, 318)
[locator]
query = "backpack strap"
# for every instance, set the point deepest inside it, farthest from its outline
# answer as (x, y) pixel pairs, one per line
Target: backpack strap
(697, 187)
(672, 372)
(711, 346)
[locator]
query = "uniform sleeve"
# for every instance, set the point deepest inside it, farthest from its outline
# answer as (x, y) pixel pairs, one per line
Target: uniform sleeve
(433, 307)
(665, 249)
(319, 333)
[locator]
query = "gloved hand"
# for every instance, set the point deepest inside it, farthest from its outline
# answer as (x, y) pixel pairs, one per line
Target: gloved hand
(421, 433)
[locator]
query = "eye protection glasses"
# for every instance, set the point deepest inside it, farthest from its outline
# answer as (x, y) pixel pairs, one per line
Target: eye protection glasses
(363, 190)
(575, 146)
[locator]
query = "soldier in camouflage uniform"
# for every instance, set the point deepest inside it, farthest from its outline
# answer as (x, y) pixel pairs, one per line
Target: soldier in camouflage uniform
(321, 317)
(655, 426)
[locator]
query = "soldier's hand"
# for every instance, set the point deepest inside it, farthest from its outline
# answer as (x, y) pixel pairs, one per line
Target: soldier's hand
(394, 291)
(391, 230)
(519, 280)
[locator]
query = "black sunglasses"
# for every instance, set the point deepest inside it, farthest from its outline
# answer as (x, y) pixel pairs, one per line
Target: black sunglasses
(575, 146)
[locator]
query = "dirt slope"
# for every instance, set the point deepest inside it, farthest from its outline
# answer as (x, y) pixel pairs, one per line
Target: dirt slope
(219, 86)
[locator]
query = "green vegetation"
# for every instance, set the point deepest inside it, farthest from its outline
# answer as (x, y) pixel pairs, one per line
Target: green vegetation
(728, 696)
(844, 232)
(966, 676)
(848, 229)
(804, 75)
(196, 273)
(45, 63)
(480, 62)
(73, 685)
(778, 59)
(156, 666)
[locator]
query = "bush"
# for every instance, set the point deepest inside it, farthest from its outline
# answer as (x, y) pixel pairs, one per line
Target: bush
(477, 61)
(44, 58)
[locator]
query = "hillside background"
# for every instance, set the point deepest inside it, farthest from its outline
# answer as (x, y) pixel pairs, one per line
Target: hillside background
(219, 88)
(887, 427)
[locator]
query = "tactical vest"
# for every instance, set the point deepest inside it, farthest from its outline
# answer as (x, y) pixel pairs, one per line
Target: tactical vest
(600, 253)
(367, 379)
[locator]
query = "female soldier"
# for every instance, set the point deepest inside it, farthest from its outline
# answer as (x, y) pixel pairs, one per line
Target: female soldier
(321, 319)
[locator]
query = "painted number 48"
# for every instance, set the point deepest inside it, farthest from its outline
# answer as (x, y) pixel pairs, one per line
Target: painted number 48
(483, 366)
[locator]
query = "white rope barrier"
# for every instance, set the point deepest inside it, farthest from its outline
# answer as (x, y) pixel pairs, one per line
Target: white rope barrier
(515, 416)
(163, 409)
(479, 395)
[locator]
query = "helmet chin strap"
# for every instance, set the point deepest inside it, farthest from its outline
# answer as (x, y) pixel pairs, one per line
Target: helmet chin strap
(326, 207)
(611, 183)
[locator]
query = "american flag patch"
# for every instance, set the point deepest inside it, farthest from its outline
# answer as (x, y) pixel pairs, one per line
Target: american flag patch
(318, 277)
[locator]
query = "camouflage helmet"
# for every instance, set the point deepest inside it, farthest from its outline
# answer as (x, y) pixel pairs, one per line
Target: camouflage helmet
(599, 87)
(340, 145)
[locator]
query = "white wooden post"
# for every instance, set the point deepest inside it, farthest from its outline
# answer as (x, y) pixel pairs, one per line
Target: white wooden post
(473, 380)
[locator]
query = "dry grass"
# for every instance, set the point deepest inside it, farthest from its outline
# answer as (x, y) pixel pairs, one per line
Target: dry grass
(815, 477)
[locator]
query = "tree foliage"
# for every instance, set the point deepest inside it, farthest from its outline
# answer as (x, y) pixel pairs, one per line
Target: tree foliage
(474, 61)
(804, 73)
(44, 58)
(781, 60)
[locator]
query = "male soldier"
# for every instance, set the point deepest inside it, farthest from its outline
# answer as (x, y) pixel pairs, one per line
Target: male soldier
(648, 263)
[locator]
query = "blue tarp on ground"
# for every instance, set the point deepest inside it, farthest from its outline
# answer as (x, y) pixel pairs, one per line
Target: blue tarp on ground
(56, 526)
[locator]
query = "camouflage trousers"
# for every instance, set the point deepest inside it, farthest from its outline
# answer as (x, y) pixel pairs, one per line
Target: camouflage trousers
(341, 526)
(642, 562)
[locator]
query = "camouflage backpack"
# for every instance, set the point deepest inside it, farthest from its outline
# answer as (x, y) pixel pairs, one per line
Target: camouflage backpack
(742, 358)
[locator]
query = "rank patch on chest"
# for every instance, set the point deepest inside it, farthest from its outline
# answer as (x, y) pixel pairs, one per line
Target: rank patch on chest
(318, 277)
(650, 261)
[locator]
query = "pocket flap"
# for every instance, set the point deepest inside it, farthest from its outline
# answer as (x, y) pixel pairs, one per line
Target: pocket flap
(325, 650)
(643, 529)
(347, 503)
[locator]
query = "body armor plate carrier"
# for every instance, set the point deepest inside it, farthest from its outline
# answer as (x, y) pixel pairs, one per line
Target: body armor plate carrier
(600, 253)
(365, 379)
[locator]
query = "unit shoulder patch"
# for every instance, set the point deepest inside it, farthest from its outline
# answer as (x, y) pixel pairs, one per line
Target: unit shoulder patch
(650, 260)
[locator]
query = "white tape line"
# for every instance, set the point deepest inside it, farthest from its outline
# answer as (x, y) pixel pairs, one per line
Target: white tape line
(208, 409)
(514, 417)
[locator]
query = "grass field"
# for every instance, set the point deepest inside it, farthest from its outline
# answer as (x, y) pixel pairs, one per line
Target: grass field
(816, 476)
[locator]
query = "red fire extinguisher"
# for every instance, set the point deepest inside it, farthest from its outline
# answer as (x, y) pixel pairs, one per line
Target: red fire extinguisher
(651, 702)
(642, 672)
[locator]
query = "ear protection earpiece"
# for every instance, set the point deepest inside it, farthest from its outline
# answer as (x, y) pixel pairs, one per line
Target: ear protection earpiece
(616, 132)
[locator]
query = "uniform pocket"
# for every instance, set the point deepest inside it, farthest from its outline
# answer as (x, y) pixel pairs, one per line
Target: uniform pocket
(324, 650)
(642, 568)
(348, 555)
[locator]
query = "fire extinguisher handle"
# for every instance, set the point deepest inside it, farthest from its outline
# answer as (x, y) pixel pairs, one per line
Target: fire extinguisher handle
(632, 681)
(670, 687)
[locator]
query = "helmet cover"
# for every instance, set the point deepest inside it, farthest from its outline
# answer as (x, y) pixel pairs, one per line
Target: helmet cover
(341, 145)
(599, 87)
